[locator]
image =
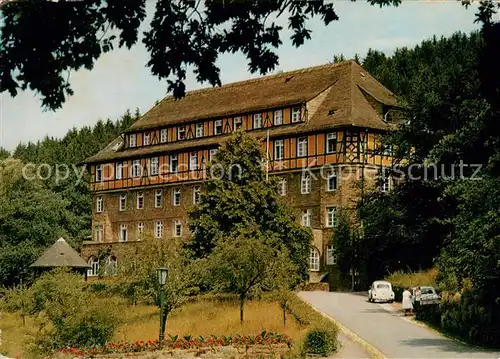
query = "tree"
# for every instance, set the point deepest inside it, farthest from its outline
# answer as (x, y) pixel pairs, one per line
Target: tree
(182, 33)
(237, 196)
(4, 153)
(247, 264)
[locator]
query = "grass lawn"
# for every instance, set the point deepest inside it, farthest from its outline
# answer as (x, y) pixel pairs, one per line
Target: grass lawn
(198, 318)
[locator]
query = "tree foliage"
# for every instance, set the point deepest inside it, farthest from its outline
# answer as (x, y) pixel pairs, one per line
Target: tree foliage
(237, 198)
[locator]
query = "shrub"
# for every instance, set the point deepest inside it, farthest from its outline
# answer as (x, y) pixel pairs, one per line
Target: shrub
(321, 340)
(401, 280)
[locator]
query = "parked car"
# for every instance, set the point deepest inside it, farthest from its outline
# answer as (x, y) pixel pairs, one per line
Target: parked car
(381, 291)
(428, 295)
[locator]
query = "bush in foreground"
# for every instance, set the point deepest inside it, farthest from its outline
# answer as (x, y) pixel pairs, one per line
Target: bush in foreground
(321, 340)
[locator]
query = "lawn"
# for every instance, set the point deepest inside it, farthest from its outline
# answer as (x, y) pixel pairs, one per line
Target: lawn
(204, 317)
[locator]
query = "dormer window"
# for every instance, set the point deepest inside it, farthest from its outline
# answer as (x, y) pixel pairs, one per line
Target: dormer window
(163, 135)
(257, 120)
(218, 127)
(181, 133)
(132, 140)
(295, 114)
(199, 130)
(238, 123)
(146, 138)
(278, 117)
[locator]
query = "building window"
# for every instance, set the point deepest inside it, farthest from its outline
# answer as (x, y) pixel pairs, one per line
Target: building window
(123, 233)
(278, 149)
(257, 120)
(295, 114)
(193, 161)
(174, 163)
(212, 153)
(199, 130)
(119, 170)
(331, 256)
(177, 228)
(140, 228)
(218, 127)
(181, 133)
(136, 168)
(238, 123)
(98, 173)
(385, 185)
(94, 267)
(331, 142)
(331, 217)
(146, 136)
(158, 198)
(123, 202)
(386, 150)
(332, 181)
(282, 187)
(196, 194)
(278, 117)
(99, 232)
(158, 229)
(154, 165)
(99, 204)
(176, 198)
(306, 218)
(305, 184)
(314, 259)
(140, 200)
(132, 140)
(302, 147)
(112, 266)
(163, 135)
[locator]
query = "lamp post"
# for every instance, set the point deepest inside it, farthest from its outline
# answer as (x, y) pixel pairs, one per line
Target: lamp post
(162, 279)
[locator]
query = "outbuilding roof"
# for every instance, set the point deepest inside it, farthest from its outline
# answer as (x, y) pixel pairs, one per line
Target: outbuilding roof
(60, 255)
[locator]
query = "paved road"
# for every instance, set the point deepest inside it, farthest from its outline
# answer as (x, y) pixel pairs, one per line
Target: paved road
(390, 332)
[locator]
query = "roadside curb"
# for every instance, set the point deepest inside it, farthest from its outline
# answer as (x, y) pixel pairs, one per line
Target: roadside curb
(370, 349)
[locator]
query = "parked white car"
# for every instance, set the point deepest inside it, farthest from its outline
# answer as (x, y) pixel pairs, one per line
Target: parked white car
(381, 291)
(428, 295)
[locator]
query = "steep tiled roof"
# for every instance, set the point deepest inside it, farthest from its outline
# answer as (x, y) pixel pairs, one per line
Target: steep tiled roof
(337, 90)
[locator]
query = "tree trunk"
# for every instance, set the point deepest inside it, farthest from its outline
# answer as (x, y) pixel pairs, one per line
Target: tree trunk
(242, 303)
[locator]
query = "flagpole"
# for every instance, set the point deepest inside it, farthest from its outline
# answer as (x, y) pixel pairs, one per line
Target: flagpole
(267, 156)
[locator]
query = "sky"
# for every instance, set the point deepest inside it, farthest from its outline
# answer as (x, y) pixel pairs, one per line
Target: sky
(120, 79)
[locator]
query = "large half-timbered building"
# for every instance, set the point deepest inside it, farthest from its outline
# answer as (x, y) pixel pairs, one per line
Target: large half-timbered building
(145, 181)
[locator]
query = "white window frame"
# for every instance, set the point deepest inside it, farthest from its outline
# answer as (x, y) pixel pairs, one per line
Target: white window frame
(94, 267)
(132, 140)
(177, 224)
(158, 229)
(146, 139)
(302, 147)
(140, 200)
(181, 133)
(295, 114)
(136, 168)
(386, 184)
(140, 228)
(119, 170)
(158, 198)
(386, 150)
(211, 153)
(196, 194)
(257, 121)
(332, 136)
(218, 127)
(193, 161)
(331, 255)
(171, 160)
(278, 117)
(306, 218)
(305, 184)
(332, 179)
(199, 130)
(99, 173)
(282, 187)
(164, 135)
(314, 259)
(99, 205)
(279, 149)
(99, 233)
(331, 217)
(237, 123)
(176, 194)
(122, 202)
(111, 266)
(123, 233)
(154, 166)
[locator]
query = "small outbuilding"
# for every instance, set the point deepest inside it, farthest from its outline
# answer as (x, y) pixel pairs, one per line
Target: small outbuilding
(61, 254)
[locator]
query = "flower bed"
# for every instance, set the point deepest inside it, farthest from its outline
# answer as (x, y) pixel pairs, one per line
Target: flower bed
(185, 343)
